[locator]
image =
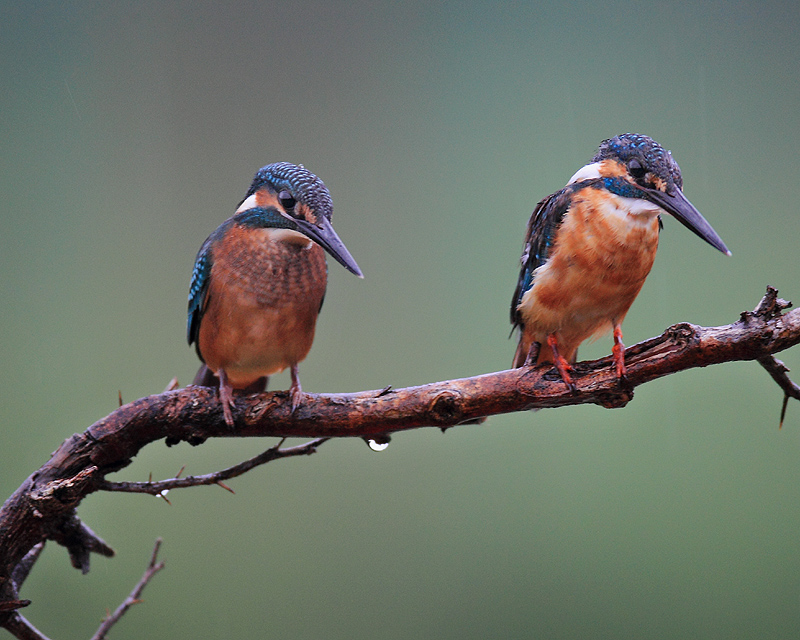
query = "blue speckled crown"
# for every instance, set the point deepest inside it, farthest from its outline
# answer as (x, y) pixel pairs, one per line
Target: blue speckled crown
(304, 186)
(652, 155)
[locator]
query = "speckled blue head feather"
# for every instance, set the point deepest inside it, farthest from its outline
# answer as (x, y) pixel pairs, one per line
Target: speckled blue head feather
(651, 155)
(304, 186)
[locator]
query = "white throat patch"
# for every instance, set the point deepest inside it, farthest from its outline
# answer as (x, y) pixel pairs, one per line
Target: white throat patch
(635, 208)
(588, 172)
(249, 203)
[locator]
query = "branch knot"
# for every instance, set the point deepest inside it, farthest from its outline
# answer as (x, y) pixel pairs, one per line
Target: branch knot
(682, 333)
(446, 407)
(68, 491)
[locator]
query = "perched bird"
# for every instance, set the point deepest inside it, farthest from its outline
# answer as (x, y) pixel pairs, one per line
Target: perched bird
(259, 281)
(590, 246)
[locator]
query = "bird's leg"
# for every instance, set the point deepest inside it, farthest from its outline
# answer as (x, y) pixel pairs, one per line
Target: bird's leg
(205, 377)
(533, 354)
(618, 351)
(562, 365)
(226, 396)
(295, 391)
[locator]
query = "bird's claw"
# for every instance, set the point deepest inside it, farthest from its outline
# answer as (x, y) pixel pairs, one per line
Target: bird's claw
(297, 397)
(226, 397)
(295, 391)
(562, 365)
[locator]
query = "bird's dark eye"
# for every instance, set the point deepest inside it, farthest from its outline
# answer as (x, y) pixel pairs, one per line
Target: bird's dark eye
(287, 200)
(636, 169)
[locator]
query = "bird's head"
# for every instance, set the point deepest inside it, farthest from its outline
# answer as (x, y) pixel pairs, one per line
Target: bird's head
(288, 196)
(632, 165)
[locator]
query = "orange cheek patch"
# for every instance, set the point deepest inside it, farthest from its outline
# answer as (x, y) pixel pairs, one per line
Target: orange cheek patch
(612, 169)
(266, 199)
(305, 212)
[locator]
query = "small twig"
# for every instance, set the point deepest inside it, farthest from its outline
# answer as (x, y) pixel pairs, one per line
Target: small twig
(161, 487)
(134, 598)
(25, 565)
(778, 371)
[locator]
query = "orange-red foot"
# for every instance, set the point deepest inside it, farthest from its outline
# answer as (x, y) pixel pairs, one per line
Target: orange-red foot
(618, 351)
(295, 391)
(562, 365)
(226, 396)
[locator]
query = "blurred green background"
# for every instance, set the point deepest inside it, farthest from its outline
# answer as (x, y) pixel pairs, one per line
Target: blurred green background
(129, 131)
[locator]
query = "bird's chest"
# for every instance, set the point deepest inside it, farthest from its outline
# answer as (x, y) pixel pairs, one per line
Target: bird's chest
(269, 269)
(602, 240)
(265, 291)
(600, 258)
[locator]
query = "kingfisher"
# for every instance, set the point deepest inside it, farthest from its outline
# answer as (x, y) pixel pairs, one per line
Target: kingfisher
(259, 281)
(589, 247)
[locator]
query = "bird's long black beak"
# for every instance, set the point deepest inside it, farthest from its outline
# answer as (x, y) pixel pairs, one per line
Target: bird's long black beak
(676, 204)
(326, 237)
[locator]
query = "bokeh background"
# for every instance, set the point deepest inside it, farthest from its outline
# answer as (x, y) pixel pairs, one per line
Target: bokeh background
(129, 131)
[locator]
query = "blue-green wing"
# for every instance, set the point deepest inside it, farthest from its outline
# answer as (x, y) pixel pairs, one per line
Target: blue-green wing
(198, 290)
(542, 227)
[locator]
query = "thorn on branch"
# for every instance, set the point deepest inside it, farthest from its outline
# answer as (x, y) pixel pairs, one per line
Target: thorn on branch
(783, 410)
(778, 371)
(225, 486)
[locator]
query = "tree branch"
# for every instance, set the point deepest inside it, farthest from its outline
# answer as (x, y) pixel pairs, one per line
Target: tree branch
(160, 488)
(134, 598)
(43, 507)
(21, 628)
